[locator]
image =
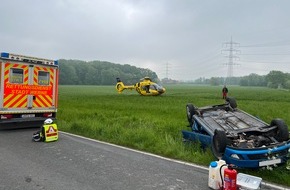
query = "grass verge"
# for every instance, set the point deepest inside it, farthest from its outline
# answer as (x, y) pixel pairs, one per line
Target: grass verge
(154, 124)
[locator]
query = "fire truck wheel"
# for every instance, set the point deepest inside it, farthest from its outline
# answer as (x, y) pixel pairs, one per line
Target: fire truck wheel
(282, 132)
(219, 143)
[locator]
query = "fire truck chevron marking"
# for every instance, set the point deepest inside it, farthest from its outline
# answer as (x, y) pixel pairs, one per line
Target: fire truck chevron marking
(15, 101)
(21, 102)
(43, 101)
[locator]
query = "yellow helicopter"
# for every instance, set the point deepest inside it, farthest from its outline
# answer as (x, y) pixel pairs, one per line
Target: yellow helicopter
(145, 87)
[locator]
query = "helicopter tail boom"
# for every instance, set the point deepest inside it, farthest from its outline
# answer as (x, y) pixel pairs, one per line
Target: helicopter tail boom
(120, 86)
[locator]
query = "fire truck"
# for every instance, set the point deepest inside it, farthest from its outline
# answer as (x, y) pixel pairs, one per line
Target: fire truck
(29, 90)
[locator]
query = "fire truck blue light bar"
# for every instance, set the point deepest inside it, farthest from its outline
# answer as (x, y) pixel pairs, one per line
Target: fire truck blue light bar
(5, 55)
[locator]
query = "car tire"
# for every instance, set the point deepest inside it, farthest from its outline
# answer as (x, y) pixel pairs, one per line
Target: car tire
(232, 102)
(190, 111)
(219, 143)
(282, 132)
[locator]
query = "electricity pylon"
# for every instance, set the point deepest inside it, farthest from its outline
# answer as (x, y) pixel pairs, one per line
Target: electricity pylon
(231, 57)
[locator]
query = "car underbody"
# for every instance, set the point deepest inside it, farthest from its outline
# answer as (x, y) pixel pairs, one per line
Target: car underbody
(225, 127)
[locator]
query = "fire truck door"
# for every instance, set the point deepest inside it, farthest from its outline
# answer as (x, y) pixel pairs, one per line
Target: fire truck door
(42, 77)
(15, 86)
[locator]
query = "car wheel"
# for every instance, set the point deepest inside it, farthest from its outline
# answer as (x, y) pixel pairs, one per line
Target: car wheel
(219, 143)
(232, 102)
(190, 111)
(282, 133)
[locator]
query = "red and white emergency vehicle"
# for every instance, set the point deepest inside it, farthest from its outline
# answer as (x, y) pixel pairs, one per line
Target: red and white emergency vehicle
(29, 90)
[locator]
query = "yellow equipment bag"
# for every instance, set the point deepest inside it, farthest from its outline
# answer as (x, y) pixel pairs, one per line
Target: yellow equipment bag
(50, 132)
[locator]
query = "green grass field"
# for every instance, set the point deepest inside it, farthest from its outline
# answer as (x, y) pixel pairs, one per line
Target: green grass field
(154, 124)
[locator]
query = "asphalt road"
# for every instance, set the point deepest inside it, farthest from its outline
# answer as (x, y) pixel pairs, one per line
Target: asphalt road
(75, 163)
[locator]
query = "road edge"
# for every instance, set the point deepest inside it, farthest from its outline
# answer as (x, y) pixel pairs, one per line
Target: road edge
(264, 183)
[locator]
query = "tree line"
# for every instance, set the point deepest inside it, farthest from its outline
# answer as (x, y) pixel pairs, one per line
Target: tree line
(76, 72)
(274, 79)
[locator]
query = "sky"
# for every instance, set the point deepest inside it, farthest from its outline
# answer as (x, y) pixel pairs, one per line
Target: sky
(177, 39)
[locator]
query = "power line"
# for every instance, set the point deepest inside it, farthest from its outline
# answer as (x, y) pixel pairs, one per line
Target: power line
(270, 44)
(249, 61)
(265, 54)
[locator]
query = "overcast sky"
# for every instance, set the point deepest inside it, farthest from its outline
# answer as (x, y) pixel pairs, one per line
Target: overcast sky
(179, 39)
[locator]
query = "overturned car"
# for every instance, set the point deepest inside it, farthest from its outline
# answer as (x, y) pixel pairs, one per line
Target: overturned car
(238, 137)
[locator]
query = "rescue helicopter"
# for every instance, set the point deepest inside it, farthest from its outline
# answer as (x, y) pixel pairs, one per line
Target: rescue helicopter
(145, 87)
